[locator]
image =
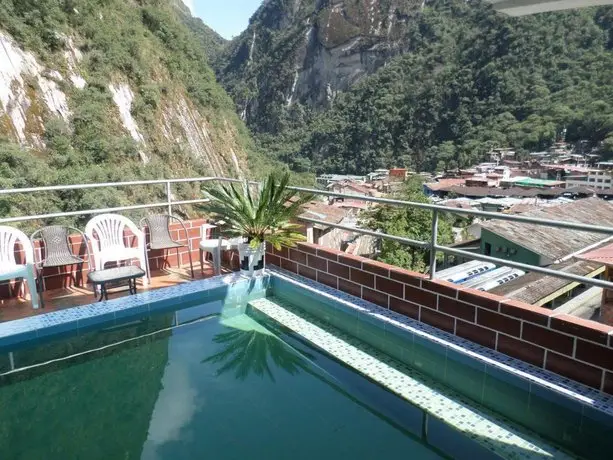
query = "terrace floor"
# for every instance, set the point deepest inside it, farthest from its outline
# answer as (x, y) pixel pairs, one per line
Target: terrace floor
(59, 299)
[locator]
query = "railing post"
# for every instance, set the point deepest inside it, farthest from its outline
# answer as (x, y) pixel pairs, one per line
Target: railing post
(169, 197)
(433, 240)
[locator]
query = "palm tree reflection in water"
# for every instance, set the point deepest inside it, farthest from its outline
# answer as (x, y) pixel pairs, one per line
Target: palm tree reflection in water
(247, 352)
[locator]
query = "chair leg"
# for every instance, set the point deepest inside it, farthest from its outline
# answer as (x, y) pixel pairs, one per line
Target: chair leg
(191, 264)
(216, 261)
(40, 280)
(30, 278)
(201, 262)
(143, 264)
(147, 267)
(179, 259)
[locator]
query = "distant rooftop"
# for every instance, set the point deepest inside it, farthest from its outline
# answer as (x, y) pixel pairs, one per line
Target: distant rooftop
(557, 243)
(531, 182)
(525, 7)
(603, 255)
(538, 289)
(325, 212)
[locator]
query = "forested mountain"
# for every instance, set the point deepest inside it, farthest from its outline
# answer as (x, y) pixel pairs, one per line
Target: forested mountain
(109, 90)
(450, 80)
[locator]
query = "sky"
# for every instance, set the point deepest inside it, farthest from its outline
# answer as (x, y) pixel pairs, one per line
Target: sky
(226, 17)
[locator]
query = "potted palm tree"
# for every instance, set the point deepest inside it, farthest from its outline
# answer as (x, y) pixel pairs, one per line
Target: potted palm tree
(258, 216)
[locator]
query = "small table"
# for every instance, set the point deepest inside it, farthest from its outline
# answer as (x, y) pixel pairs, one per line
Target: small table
(109, 275)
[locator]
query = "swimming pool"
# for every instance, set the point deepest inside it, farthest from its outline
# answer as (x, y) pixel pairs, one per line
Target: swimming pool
(274, 370)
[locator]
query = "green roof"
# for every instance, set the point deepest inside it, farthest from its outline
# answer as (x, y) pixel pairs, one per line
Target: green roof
(537, 182)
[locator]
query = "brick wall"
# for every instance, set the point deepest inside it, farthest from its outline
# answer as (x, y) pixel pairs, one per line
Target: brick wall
(578, 349)
(61, 276)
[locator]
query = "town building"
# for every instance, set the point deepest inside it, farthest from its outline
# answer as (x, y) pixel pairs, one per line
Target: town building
(538, 245)
(327, 179)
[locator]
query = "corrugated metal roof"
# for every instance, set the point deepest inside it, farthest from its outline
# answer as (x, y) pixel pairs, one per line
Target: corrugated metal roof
(325, 212)
(556, 243)
(534, 287)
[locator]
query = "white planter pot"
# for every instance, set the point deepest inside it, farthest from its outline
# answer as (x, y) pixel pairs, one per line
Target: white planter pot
(251, 259)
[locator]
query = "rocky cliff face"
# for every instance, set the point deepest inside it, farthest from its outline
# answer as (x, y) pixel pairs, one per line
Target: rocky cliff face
(147, 105)
(306, 51)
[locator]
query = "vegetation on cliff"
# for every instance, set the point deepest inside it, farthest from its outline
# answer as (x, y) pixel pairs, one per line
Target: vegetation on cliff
(152, 49)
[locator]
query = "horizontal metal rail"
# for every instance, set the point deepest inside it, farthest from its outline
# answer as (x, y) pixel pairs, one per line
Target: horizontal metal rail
(4, 220)
(489, 215)
(55, 188)
(399, 239)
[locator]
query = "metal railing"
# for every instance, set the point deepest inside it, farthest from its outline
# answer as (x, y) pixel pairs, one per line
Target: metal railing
(431, 245)
(168, 204)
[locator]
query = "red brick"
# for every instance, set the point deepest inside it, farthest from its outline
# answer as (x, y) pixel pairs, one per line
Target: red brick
(307, 271)
(351, 260)
(349, 287)
(406, 276)
(436, 319)
(419, 296)
(608, 383)
(441, 287)
(378, 268)
(338, 269)
(521, 350)
(573, 369)
(476, 334)
(330, 280)
(375, 297)
(273, 260)
(317, 263)
(524, 311)
(498, 322)
(458, 309)
(389, 287)
(326, 253)
(590, 330)
(405, 308)
(362, 277)
(594, 354)
(547, 338)
(307, 247)
(298, 256)
(289, 265)
(283, 252)
(480, 298)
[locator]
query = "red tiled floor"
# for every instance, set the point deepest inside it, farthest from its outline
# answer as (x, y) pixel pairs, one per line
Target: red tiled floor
(58, 299)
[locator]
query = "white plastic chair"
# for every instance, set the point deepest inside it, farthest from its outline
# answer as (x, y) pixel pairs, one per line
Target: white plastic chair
(106, 234)
(9, 268)
(214, 246)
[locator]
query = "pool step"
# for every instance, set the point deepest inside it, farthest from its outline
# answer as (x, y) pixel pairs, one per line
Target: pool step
(498, 437)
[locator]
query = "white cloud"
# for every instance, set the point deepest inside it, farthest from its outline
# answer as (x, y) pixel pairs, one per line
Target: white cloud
(189, 4)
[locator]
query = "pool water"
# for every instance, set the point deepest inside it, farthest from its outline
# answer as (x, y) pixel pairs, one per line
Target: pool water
(230, 374)
(223, 386)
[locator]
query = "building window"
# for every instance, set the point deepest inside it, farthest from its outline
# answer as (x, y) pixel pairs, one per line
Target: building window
(488, 249)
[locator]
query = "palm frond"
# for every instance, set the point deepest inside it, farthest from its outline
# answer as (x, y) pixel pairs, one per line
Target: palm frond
(263, 215)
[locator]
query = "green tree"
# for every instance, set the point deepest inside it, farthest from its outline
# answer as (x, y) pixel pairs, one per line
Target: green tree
(409, 222)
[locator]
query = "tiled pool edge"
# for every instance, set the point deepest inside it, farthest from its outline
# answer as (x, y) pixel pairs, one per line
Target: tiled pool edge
(566, 388)
(48, 325)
